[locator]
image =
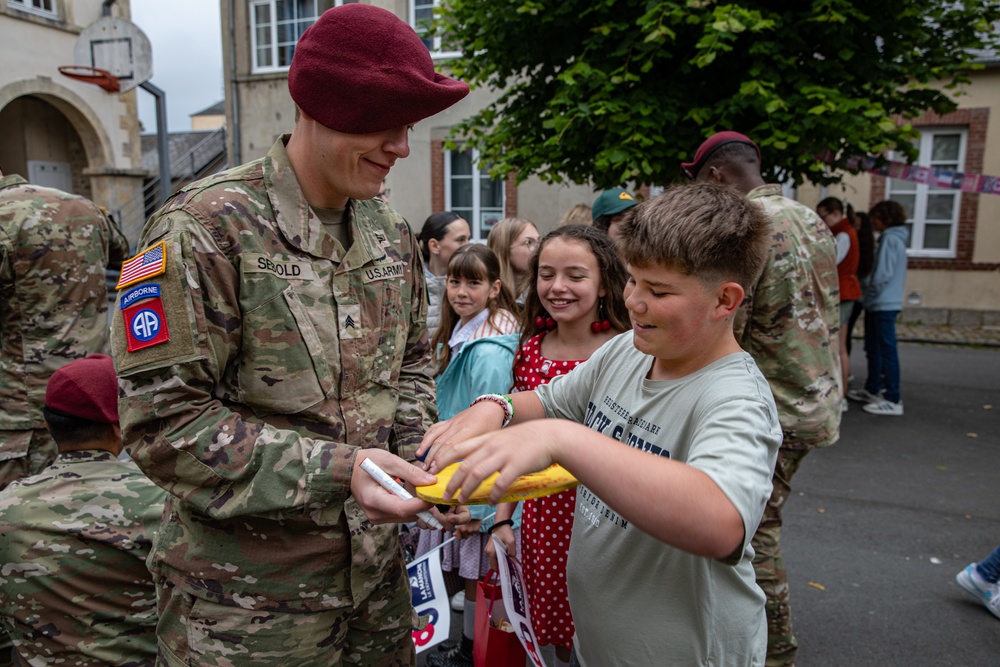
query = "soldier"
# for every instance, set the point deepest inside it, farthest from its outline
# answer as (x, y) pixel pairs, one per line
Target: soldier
(271, 336)
(74, 587)
(788, 323)
(54, 250)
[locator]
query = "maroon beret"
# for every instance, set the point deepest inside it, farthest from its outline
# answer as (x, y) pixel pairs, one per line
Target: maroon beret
(86, 388)
(360, 69)
(712, 144)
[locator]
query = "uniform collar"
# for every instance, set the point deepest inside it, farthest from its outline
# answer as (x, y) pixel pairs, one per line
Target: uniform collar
(86, 455)
(369, 239)
(303, 229)
(11, 180)
(766, 190)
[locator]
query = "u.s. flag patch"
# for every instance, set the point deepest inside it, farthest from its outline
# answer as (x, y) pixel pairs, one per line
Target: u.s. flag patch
(145, 324)
(150, 262)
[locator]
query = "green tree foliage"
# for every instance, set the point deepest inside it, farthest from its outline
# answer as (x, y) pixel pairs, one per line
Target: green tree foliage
(624, 90)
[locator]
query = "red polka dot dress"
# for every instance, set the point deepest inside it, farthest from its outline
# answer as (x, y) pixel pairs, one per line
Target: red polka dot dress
(546, 523)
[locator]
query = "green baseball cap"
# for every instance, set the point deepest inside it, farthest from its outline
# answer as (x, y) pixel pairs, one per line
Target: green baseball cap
(612, 202)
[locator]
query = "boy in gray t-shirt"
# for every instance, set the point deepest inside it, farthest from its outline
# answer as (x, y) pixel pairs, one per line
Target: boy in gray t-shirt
(672, 432)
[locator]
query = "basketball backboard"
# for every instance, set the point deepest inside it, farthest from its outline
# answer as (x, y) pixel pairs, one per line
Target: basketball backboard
(118, 46)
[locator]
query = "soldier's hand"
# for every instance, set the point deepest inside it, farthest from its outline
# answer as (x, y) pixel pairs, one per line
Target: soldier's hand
(379, 504)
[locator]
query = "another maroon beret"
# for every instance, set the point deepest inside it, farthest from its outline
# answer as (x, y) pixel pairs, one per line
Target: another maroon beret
(86, 388)
(360, 69)
(712, 144)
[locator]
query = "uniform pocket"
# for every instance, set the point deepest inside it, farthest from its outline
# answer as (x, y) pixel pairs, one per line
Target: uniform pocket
(393, 330)
(282, 363)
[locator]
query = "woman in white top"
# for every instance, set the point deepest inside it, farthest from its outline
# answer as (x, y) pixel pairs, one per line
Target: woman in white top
(443, 233)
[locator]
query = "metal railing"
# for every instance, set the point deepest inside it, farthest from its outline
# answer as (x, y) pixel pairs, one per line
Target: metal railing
(205, 157)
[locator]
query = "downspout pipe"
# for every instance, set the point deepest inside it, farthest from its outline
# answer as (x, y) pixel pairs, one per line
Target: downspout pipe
(233, 88)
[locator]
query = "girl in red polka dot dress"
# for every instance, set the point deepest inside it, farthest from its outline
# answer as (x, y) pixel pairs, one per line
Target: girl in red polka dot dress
(574, 305)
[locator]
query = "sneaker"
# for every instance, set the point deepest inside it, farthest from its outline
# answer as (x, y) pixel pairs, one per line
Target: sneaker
(884, 407)
(458, 601)
(460, 656)
(862, 395)
(844, 405)
(447, 645)
(982, 590)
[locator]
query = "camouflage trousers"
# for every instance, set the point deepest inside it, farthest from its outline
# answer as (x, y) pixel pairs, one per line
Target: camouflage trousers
(769, 566)
(195, 632)
(24, 453)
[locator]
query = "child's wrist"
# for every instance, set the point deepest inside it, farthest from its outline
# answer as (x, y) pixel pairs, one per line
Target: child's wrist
(500, 524)
(502, 401)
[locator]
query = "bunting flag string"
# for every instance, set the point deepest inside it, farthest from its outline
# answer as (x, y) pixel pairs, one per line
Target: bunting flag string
(933, 176)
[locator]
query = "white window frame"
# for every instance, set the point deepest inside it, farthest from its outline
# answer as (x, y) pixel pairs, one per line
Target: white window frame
(255, 68)
(478, 176)
(435, 48)
(29, 7)
(918, 221)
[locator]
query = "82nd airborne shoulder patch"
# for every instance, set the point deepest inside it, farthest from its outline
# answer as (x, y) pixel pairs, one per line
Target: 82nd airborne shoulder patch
(145, 321)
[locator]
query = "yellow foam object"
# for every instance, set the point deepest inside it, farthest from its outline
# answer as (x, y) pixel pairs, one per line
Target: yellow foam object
(533, 485)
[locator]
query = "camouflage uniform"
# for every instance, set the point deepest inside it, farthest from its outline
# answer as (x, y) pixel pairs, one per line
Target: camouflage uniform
(286, 354)
(789, 323)
(54, 249)
(74, 588)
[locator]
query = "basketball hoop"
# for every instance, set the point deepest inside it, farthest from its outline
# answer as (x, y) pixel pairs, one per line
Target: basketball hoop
(95, 75)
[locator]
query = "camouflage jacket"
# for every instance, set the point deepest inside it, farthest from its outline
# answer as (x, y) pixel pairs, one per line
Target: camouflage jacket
(74, 588)
(286, 354)
(790, 318)
(54, 249)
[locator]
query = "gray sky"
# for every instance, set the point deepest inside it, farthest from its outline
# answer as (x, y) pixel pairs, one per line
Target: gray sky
(187, 58)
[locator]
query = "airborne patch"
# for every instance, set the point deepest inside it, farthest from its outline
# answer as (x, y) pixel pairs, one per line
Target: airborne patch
(145, 324)
(139, 293)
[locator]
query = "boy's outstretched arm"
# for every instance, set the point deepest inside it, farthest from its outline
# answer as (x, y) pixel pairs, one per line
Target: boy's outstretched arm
(478, 419)
(674, 502)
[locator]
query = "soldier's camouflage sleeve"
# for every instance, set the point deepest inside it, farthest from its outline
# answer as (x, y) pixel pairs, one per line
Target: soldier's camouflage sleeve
(183, 407)
(6, 271)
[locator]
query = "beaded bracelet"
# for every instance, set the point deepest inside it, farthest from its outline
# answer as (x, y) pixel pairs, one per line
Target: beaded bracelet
(500, 524)
(501, 400)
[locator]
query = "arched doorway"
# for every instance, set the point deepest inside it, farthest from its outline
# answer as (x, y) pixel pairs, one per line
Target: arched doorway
(39, 142)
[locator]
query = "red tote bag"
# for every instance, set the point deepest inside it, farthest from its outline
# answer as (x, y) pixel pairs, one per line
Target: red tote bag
(493, 646)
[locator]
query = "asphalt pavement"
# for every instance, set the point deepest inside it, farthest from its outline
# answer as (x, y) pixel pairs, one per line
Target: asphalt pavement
(879, 524)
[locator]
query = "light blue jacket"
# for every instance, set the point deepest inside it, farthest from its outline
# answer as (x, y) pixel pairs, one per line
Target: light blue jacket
(482, 366)
(884, 286)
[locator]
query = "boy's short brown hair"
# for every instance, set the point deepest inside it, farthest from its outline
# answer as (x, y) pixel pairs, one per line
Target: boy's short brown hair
(704, 229)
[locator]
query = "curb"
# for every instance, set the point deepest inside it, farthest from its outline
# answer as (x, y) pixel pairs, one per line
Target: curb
(939, 341)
